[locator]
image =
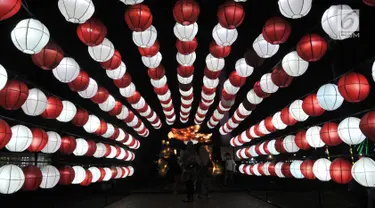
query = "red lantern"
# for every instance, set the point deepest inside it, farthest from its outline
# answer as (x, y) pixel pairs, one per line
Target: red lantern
(118, 150)
(156, 73)
(67, 175)
(101, 95)
(307, 169)
(226, 95)
(68, 145)
(186, 12)
(367, 125)
(33, 178)
(341, 171)
(117, 109)
(138, 17)
(49, 57)
(257, 130)
(107, 150)
(88, 179)
(115, 134)
(92, 32)
(211, 74)
(285, 170)
(185, 71)
(370, 3)
(271, 169)
(236, 80)
(102, 128)
(81, 82)
(161, 90)
(260, 168)
(301, 140)
(9, 8)
(329, 134)
(81, 117)
(13, 95)
(230, 14)
(91, 149)
(150, 51)
(102, 174)
(276, 30)
(354, 87)
(219, 51)
(186, 47)
(124, 81)
(54, 108)
(5, 133)
(257, 149)
(114, 62)
(265, 148)
(279, 145)
(269, 125)
(40, 139)
(259, 92)
(135, 98)
(280, 78)
(208, 91)
(311, 47)
(311, 106)
(286, 117)
(114, 172)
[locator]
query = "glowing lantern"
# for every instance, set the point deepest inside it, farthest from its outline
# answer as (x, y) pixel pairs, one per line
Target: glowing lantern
(340, 171)
(150, 51)
(253, 98)
(12, 179)
(280, 78)
(186, 60)
(224, 36)
(40, 139)
(88, 179)
(295, 169)
(185, 32)
(79, 174)
(276, 30)
(66, 175)
(278, 169)
(81, 82)
(321, 169)
(296, 110)
(102, 52)
(214, 64)
(243, 69)
(81, 117)
(363, 171)
(289, 144)
(81, 148)
(53, 144)
(49, 57)
(294, 65)
(68, 145)
(54, 108)
(311, 105)
(90, 91)
(349, 131)
(76, 11)
(138, 17)
(307, 169)
(68, 112)
(117, 73)
(36, 103)
(13, 95)
(3, 77)
(313, 137)
(146, 38)
(267, 84)
(329, 97)
(67, 70)
(108, 105)
(92, 124)
(95, 174)
(152, 61)
(186, 12)
(301, 140)
(287, 117)
(33, 178)
(51, 177)
(107, 174)
(367, 125)
(277, 122)
(20, 140)
(92, 32)
(219, 51)
(329, 134)
(263, 48)
(5, 133)
(354, 87)
(294, 9)
(100, 150)
(311, 47)
(230, 14)
(9, 8)
(186, 47)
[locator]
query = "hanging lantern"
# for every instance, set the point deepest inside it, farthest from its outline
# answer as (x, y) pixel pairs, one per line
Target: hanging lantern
(354, 87)
(313, 137)
(329, 134)
(88, 179)
(349, 131)
(95, 174)
(67, 70)
(53, 144)
(329, 97)
(294, 65)
(340, 171)
(367, 125)
(91, 149)
(76, 11)
(9, 8)
(33, 178)
(278, 170)
(92, 32)
(290, 145)
(230, 15)
(363, 172)
(36, 103)
(280, 78)
(294, 9)
(186, 60)
(186, 12)
(321, 169)
(186, 47)
(100, 150)
(214, 64)
(51, 177)
(81, 117)
(219, 51)
(54, 108)
(152, 61)
(114, 62)
(13, 95)
(81, 82)
(311, 105)
(253, 98)
(81, 148)
(116, 110)
(307, 169)
(90, 91)
(79, 174)
(68, 145)
(150, 51)
(49, 57)
(311, 47)
(102, 52)
(117, 73)
(184, 71)
(146, 38)
(138, 17)
(108, 104)
(224, 36)
(277, 122)
(185, 32)
(12, 179)
(68, 112)
(287, 117)
(128, 91)
(3, 77)
(295, 169)
(301, 140)
(66, 175)
(297, 112)
(5, 133)
(267, 84)
(263, 48)
(39, 141)
(276, 30)
(92, 124)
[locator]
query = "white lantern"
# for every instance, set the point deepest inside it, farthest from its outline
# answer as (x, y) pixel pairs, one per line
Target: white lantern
(349, 131)
(224, 36)
(112, 153)
(67, 70)
(263, 48)
(152, 61)
(108, 104)
(247, 169)
(289, 144)
(131, 2)
(122, 154)
(373, 72)
(30, 36)
(321, 169)
(262, 128)
(261, 149)
(117, 73)
(81, 147)
(124, 113)
(145, 39)
(107, 175)
(140, 104)
(267, 85)
(131, 171)
(53, 143)
(244, 137)
(272, 148)
(214, 64)
(277, 122)
(119, 172)
(3, 77)
(265, 168)
(243, 111)
(90, 91)
(95, 174)
(110, 131)
(253, 98)
(79, 174)
(252, 151)
(278, 171)
(36, 102)
(255, 170)
(185, 80)
(92, 124)
(295, 169)
(295, 109)
(210, 83)
(363, 171)
(68, 112)
(50, 177)
(21, 139)
(12, 179)
(100, 150)
(240, 168)
(243, 69)
(313, 137)
(121, 135)
(335, 22)
(76, 11)
(158, 83)
(102, 52)
(229, 88)
(295, 9)
(128, 91)
(185, 32)
(186, 60)
(294, 65)
(329, 97)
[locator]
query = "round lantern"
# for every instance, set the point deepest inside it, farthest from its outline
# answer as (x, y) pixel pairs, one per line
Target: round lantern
(92, 124)
(53, 144)
(294, 65)
(185, 32)
(290, 145)
(13, 95)
(156, 73)
(12, 179)
(224, 36)
(90, 91)
(263, 48)
(9, 8)
(349, 131)
(329, 97)
(128, 91)
(92, 32)
(3, 77)
(287, 117)
(67, 70)
(340, 171)
(102, 128)
(66, 175)
(20, 140)
(39, 141)
(219, 51)
(33, 178)
(118, 73)
(295, 169)
(138, 17)
(186, 60)
(313, 137)
(95, 174)
(354, 87)
(49, 57)
(54, 108)
(76, 11)
(243, 69)
(307, 169)
(329, 134)
(124, 81)
(108, 105)
(81, 82)
(36, 103)
(107, 174)
(68, 145)
(278, 170)
(5, 133)
(91, 148)
(81, 117)
(297, 112)
(230, 14)
(150, 51)
(30, 36)
(51, 177)
(276, 30)
(295, 9)
(68, 112)
(253, 98)
(100, 150)
(311, 47)
(301, 140)
(363, 171)
(277, 122)
(229, 88)
(311, 105)
(280, 78)
(186, 47)
(214, 64)
(109, 132)
(267, 84)
(146, 38)
(321, 169)
(186, 12)
(334, 19)
(272, 148)
(367, 125)
(102, 52)
(88, 179)
(79, 174)
(152, 61)
(81, 148)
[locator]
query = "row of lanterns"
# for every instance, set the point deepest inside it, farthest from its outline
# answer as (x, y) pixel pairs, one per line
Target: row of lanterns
(30, 178)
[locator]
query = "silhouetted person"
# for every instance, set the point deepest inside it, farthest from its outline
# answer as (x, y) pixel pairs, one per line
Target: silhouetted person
(230, 167)
(174, 172)
(190, 163)
(203, 173)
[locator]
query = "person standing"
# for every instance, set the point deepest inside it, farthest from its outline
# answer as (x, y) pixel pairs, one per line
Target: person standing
(174, 172)
(203, 174)
(230, 168)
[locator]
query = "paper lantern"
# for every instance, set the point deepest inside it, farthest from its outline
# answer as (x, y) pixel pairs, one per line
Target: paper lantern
(367, 125)
(92, 124)
(67, 70)
(124, 81)
(311, 47)
(311, 105)
(5, 133)
(79, 174)
(13, 95)
(259, 92)
(349, 131)
(108, 105)
(280, 78)
(186, 12)
(20, 140)
(229, 88)
(294, 65)
(54, 108)
(76, 11)
(49, 57)
(68, 145)
(185, 32)
(186, 47)
(81, 147)
(276, 30)
(289, 144)
(186, 60)
(152, 61)
(253, 98)
(287, 117)
(68, 112)
(313, 137)
(30, 36)
(334, 18)
(272, 148)
(51, 177)
(295, 169)
(3, 77)
(39, 141)
(91, 148)
(263, 48)
(90, 91)
(81, 117)
(224, 36)
(81, 82)
(102, 128)
(363, 171)
(307, 169)
(329, 134)
(230, 14)
(267, 84)
(329, 97)
(53, 144)
(138, 17)
(9, 8)
(146, 38)
(321, 169)
(92, 32)
(100, 150)
(294, 9)
(214, 64)
(340, 171)
(66, 175)
(131, 2)
(278, 170)
(88, 179)
(36, 103)
(107, 174)
(102, 52)
(95, 174)
(219, 51)
(101, 95)
(354, 87)
(243, 69)
(277, 122)
(128, 91)
(301, 140)
(33, 178)
(297, 112)
(150, 51)
(12, 179)
(156, 73)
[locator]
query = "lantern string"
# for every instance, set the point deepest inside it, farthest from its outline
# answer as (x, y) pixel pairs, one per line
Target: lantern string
(25, 6)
